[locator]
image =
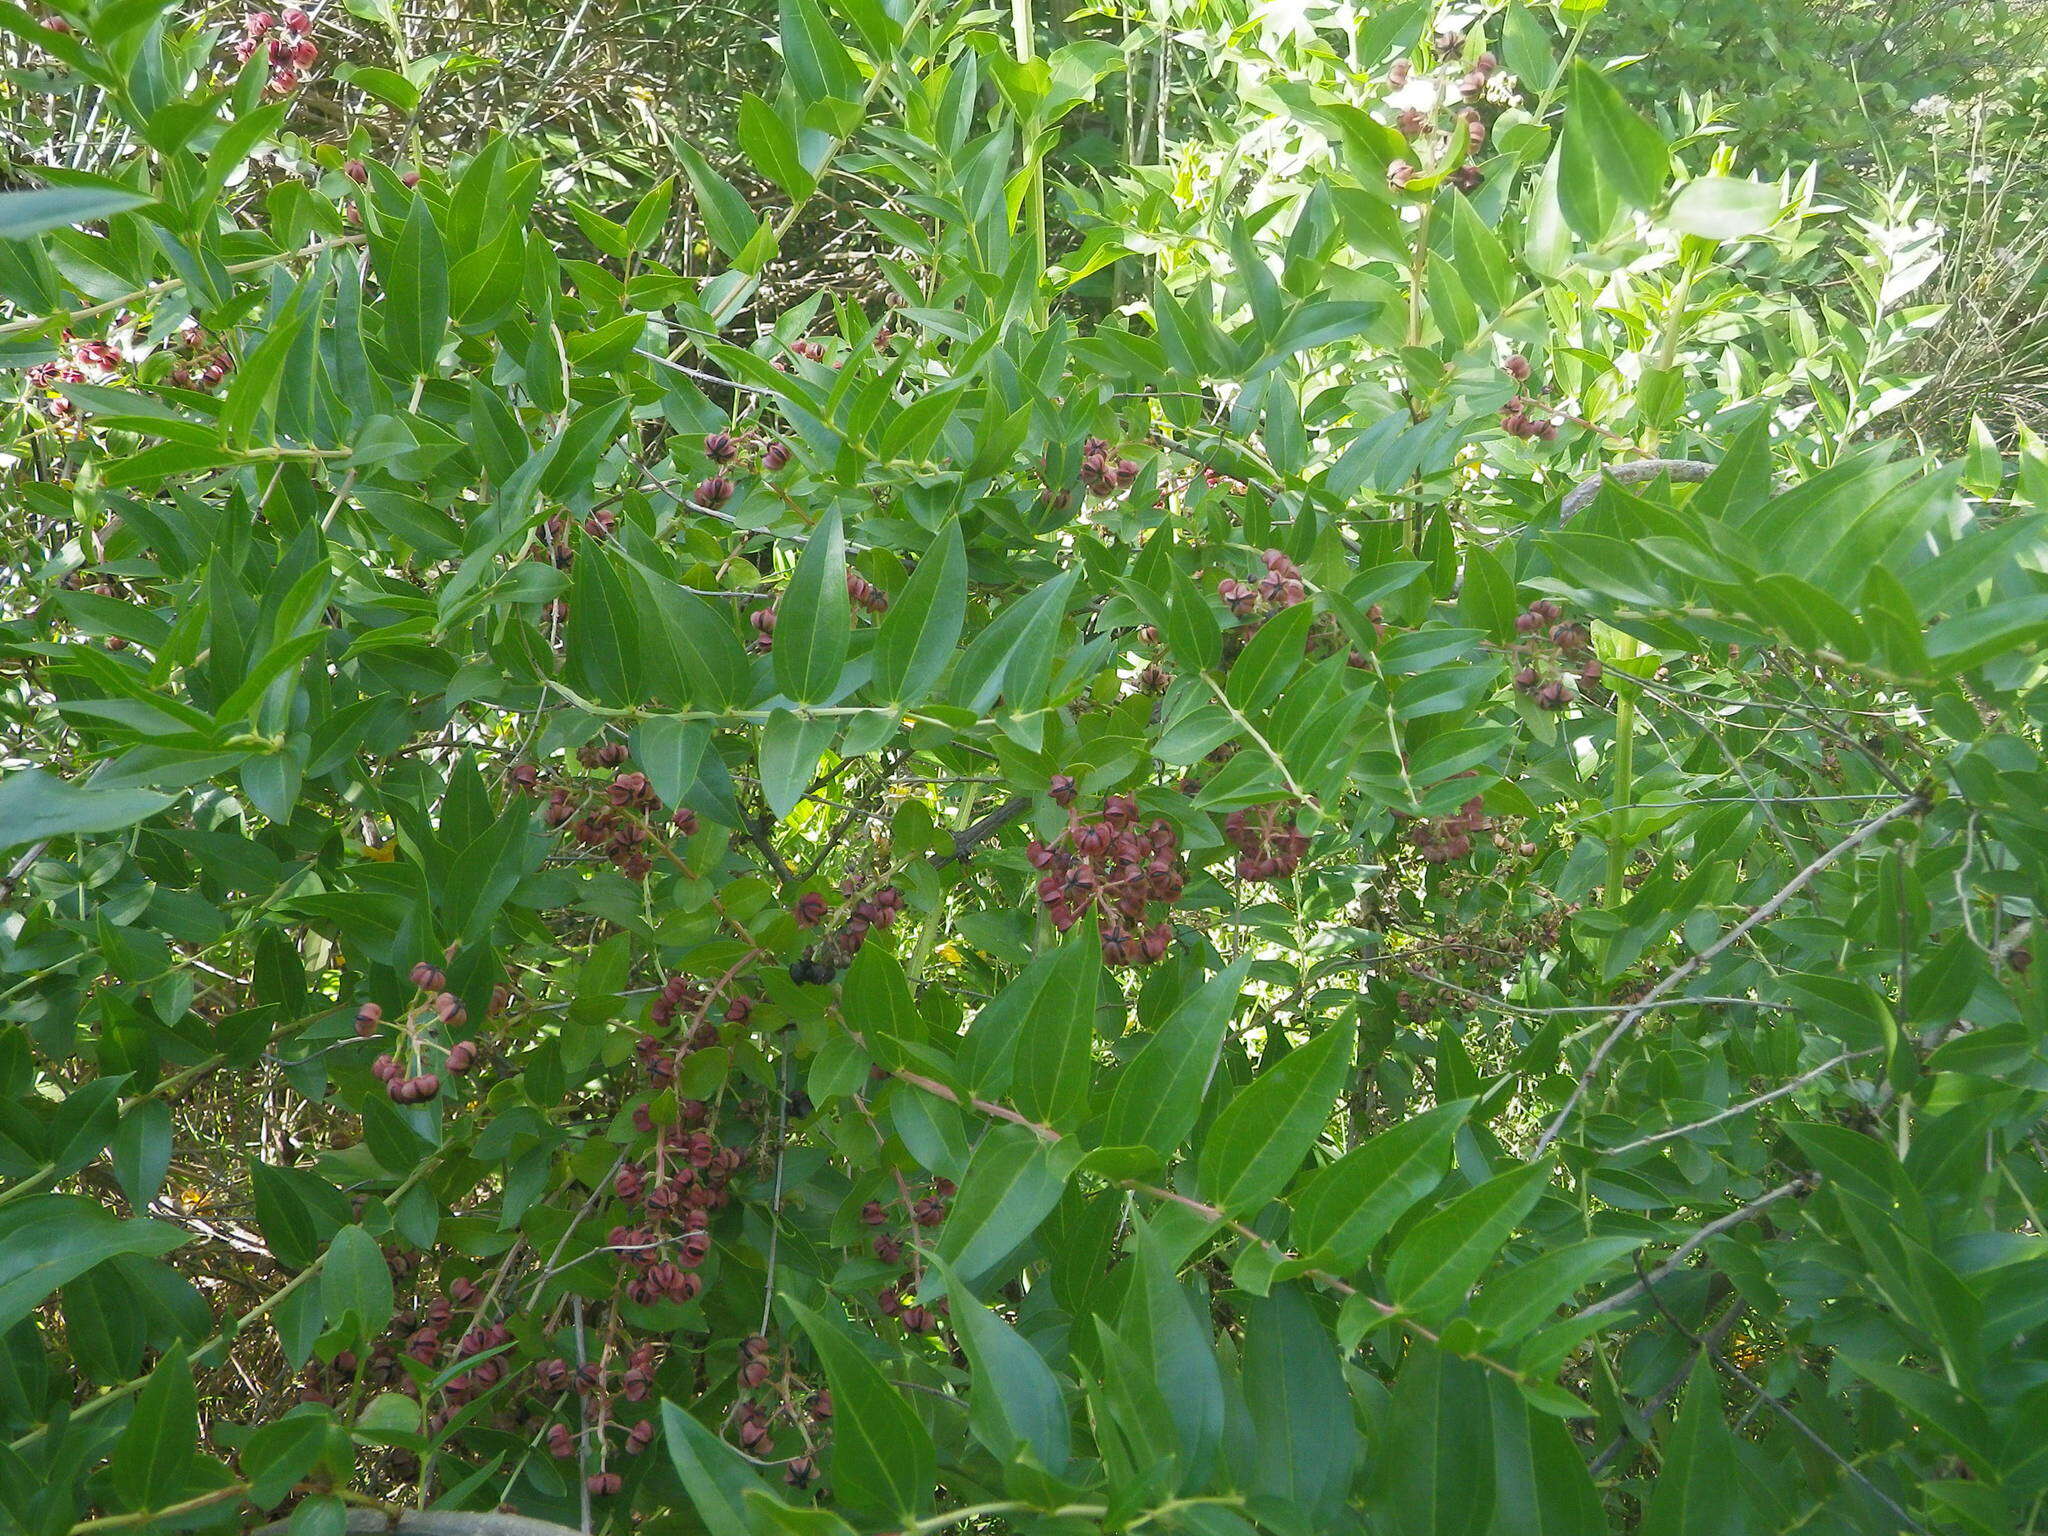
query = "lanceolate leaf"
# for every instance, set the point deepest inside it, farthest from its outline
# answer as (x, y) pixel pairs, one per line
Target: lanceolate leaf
(1159, 1094)
(915, 643)
(25, 215)
(1016, 1400)
(1259, 1140)
(811, 619)
(1055, 1047)
(1308, 1442)
(1693, 1493)
(34, 806)
(1349, 1206)
(713, 1475)
(160, 1444)
(1011, 1185)
(1435, 1464)
(414, 271)
(1440, 1258)
(48, 1240)
(882, 1456)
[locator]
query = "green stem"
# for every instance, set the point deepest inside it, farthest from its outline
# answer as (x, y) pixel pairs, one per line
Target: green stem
(1024, 33)
(151, 1516)
(1621, 793)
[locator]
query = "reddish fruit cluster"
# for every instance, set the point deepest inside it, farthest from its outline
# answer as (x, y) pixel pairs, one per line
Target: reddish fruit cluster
(1280, 587)
(659, 1060)
(721, 447)
(83, 362)
(286, 42)
(616, 818)
(763, 622)
(813, 350)
(200, 362)
(864, 594)
(1115, 866)
(900, 1302)
(681, 996)
(927, 1211)
(1440, 839)
(592, 1383)
(1464, 132)
(448, 1011)
(1554, 655)
(1516, 421)
(823, 960)
(1269, 846)
(555, 536)
(1103, 475)
(714, 492)
(415, 1089)
(661, 1252)
(790, 1399)
(619, 827)
(1473, 85)
(419, 1336)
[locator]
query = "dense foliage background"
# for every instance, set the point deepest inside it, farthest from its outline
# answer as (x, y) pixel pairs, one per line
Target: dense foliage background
(1205, 768)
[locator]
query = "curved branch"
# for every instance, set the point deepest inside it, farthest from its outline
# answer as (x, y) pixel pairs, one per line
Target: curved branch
(1634, 472)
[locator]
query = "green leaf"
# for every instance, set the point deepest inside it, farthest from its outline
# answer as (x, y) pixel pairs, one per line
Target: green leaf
(25, 215)
(1723, 208)
(1443, 1255)
(279, 1453)
(1541, 1485)
(604, 631)
(1263, 1134)
(1348, 1207)
(49, 1240)
(791, 748)
(771, 145)
(812, 618)
(1300, 1408)
(728, 219)
(1608, 152)
(1012, 1183)
(818, 63)
(1693, 1495)
(1435, 1462)
(1487, 599)
(1956, 645)
(142, 1151)
(1158, 1096)
(1055, 1047)
(414, 272)
(714, 1475)
(1525, 1296)
(882, 1458)
(669, 752)
(876, 999)
(1014, 1401)
(917, 637)
(35, 806)
(1269, 662)
(355, 1281)
(156, 1451)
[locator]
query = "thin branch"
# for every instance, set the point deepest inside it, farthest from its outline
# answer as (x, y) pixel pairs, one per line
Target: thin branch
(1910, 806)
(1804, 1184)
(1746, 1106)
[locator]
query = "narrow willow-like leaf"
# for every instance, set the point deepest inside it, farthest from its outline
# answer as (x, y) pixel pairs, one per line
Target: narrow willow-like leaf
(1259, 1140)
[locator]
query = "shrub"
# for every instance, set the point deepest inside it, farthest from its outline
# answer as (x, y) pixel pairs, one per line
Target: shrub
(1388, 883)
